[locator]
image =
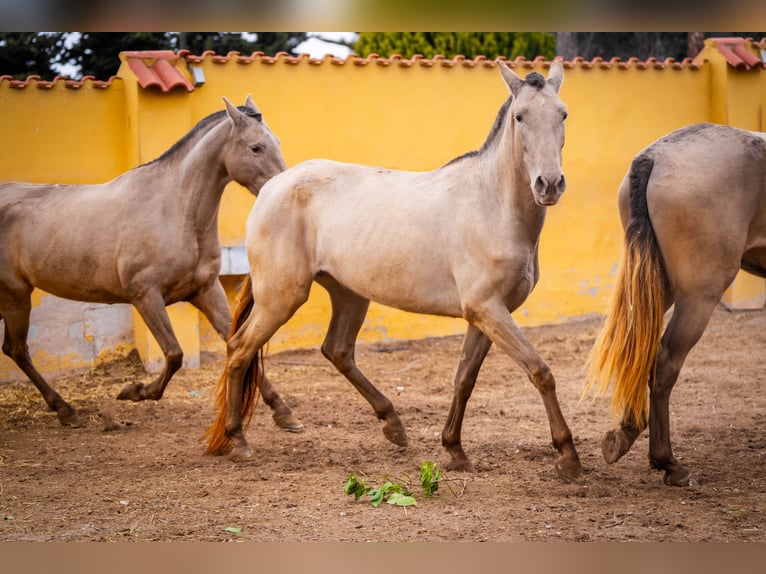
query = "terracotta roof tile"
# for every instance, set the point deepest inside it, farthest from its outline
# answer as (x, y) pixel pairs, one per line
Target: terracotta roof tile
(737, 51)
(157, 69)
(46, 85)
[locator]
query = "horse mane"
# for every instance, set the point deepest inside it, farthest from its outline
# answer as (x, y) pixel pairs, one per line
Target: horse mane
(532, 79)
(493, 133)
(200, 129)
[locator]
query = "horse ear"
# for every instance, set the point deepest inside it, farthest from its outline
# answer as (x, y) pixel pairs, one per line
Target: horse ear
(236, 116)
(251, 104)
(510, 77)
(556, 74)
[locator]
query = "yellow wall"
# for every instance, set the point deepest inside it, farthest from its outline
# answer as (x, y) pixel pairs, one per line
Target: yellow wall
(414, 117)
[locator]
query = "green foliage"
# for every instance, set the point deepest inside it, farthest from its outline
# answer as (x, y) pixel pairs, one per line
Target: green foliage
(97, 53)
(451, 44)
(396, 493)
(429, 477)
(25, 53)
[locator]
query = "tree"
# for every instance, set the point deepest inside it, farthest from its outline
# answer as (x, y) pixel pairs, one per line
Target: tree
(25, 53)
(224, 42)
(97, 53)
(642, 45)
(451, 44)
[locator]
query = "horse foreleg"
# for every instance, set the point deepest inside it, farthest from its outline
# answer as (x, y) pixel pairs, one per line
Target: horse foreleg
(16, 320)
(152, 310)
(214, 305)
(690, 317)
(476, 345)
(496, 322)
(348, 312)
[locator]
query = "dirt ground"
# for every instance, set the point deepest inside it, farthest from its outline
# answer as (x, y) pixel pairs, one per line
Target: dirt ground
(148, 480)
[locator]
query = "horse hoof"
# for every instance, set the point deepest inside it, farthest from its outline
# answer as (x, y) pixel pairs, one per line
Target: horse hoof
(614, 445)
(68, 416)
(131, 392)
(678, 477)
(568, 469)
(396, 434)
(460, 465)
(241, 454)
(288, 422)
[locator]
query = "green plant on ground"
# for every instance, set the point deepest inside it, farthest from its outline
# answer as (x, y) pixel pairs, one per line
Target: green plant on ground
(399, 493)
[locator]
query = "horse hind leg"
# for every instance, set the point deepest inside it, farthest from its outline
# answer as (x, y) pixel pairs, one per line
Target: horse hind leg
(153, 312)
(16, 320)
(690, 318)
(348, 313)
(242, 350)
(214, 305)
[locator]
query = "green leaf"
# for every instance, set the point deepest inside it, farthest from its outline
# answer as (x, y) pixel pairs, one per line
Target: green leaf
(234, 529)
(429, 477)
(355, 486)
(9, 517)
(400, 499)
(376, 496)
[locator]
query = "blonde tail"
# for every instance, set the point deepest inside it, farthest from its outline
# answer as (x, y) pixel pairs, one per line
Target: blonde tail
(624, 355)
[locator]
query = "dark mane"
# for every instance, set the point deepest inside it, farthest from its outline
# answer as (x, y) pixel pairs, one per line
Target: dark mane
(493, 133)
(201, 128)
(535, 80)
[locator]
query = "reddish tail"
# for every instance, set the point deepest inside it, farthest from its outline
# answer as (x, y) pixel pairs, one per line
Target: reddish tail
(218, 442)
(625, 351)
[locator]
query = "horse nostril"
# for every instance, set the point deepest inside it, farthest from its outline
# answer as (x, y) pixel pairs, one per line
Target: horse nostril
(561, 184)
(541, 184)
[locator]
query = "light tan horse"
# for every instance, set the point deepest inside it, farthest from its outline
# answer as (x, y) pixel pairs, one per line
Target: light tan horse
(693, 206)
(149, 237)
(460, 241)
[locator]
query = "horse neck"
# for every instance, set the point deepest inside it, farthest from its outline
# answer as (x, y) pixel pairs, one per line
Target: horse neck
(200, 178)
(507, 185)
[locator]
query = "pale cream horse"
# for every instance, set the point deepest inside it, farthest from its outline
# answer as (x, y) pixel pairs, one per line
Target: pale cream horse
(460, 241)
(149, 237)
(693, 206)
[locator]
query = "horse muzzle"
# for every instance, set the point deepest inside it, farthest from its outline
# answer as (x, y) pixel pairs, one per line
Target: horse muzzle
(548, 190)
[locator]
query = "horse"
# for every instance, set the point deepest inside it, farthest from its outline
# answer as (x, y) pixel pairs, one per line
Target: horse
(459, 241)
(693, 209)
(149, 238)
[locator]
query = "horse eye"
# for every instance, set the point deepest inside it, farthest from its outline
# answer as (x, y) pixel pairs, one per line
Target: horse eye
(565, 115)
(517, 117)
(257, 148)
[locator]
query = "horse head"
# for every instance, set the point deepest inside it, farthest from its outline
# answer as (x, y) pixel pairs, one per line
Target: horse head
(537, 122)
(252, 155)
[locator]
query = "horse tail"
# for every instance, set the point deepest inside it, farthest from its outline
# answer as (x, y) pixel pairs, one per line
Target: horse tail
(218, 442)
(625, 352)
